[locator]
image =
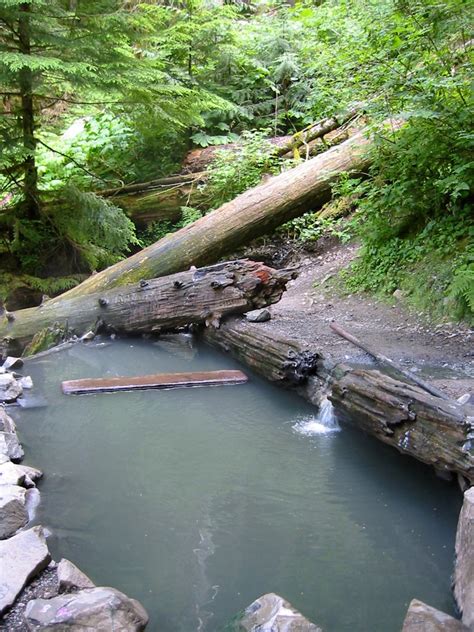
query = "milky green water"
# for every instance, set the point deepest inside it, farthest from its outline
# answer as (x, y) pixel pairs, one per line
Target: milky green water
(197, 501)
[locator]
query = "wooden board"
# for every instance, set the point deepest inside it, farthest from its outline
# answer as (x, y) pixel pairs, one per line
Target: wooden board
(158, 380)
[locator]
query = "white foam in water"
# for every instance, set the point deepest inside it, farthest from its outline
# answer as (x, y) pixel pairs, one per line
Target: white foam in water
(322, 423)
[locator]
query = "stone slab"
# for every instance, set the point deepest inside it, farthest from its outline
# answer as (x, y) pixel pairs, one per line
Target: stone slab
(423, 618)
(72, 578)
(21, 558)
(13, 511)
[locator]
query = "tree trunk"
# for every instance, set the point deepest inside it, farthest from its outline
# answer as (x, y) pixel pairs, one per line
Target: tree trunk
(252, 214)
(195, 296)
(30, 171)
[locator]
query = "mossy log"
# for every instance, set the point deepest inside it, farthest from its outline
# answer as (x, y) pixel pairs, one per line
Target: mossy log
(197, 296)
(252, 214)
(433, 430)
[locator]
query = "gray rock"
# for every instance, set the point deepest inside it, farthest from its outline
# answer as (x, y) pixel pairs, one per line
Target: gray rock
(464, 565)
(90, 335)
(9, 445)
(21, 558)
(423, 618)
(13, 363)
(398, 294)
(271, 613)
(101, 609)
(10, 389)
(258, 316)
(10, 474)
(26, 382)
(71, 578)
(13, 511)
(31, 474)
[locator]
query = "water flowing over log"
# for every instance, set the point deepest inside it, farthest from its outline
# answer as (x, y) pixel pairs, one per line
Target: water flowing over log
(197, 296)
(435, 431)
(252, 214)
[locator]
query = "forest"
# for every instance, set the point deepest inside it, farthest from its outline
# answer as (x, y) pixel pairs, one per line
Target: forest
(101, 96)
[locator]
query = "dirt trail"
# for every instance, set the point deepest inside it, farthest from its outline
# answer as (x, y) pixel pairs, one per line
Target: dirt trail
(444, 354)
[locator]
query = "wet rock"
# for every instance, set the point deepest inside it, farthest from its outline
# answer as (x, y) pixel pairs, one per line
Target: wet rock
(21, 557)
(12, 363)
(10, 389)
(464, 566)
(10, 474)
(104, 609)
(31, 474)
(90, 335)
(9, 444)
(258, 316)
(423, 618)
(26, 382)
(71, 578)
(271, 613)
(13, 512)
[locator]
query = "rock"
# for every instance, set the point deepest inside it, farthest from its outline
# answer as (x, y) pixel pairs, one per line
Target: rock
(9, 445)
(10, 474)
(467, 398)
(13, 512)
(104, 609)
(398, 294)
(12, 363)
(31, 474)
(21, 558)
(26, 382)
(464, 565)
(271, 613)
(10, 389)
(258, 316)
(90, 335)
(71, 578)
(423, 618)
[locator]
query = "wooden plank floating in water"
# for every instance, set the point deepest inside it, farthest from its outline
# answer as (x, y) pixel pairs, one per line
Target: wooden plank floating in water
(158, 380)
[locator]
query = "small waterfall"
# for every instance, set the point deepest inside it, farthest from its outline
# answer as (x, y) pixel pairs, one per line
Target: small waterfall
(322, 423)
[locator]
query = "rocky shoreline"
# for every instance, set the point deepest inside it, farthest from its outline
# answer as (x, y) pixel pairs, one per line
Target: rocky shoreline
(37, 593)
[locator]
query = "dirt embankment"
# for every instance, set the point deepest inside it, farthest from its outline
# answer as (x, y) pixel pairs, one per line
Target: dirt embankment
(442, 354)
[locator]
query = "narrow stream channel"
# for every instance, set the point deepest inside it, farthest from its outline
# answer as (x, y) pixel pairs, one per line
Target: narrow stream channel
(197, 501)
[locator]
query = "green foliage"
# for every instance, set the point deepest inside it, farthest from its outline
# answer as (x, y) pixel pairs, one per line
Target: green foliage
(233, 172)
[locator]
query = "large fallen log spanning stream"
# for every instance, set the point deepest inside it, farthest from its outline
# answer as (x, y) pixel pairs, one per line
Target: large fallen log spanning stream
(196, 296)
(428, 428)
(250, 215)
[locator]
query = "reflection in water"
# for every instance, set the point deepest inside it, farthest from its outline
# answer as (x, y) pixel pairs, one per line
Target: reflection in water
(197, 501)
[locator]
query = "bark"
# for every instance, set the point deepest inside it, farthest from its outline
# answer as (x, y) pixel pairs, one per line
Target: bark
(416, 423)
(252, 214)
(196, 296)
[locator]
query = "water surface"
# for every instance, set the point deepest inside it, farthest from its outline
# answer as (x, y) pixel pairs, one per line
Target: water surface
(197, 501)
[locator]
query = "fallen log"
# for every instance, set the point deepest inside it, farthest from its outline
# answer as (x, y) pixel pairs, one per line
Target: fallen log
(196, 296)
(156, 381)
(250, 215)
(432, 430)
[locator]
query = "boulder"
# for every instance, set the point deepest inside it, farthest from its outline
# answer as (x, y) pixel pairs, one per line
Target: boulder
(10, 389)
(71, 578)
(423, 618)
(12, 363)
(10, 474)
(271, 613)
(31, 474)
(13, 511)
(21, 558)
(104, 609)
(258, 316)
(9, 445)
(26, 382)
(464, 565)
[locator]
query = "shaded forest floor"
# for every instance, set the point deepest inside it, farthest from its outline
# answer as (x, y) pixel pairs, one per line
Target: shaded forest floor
(443, 354)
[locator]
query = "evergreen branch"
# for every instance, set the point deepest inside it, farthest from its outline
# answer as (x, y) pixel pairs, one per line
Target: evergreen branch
(78, 164)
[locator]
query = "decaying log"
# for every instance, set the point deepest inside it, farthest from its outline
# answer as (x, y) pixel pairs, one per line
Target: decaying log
(197, 296)
(433, 430)
(277, 358)
(428, 428)
(384, 360)
(252, 214)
